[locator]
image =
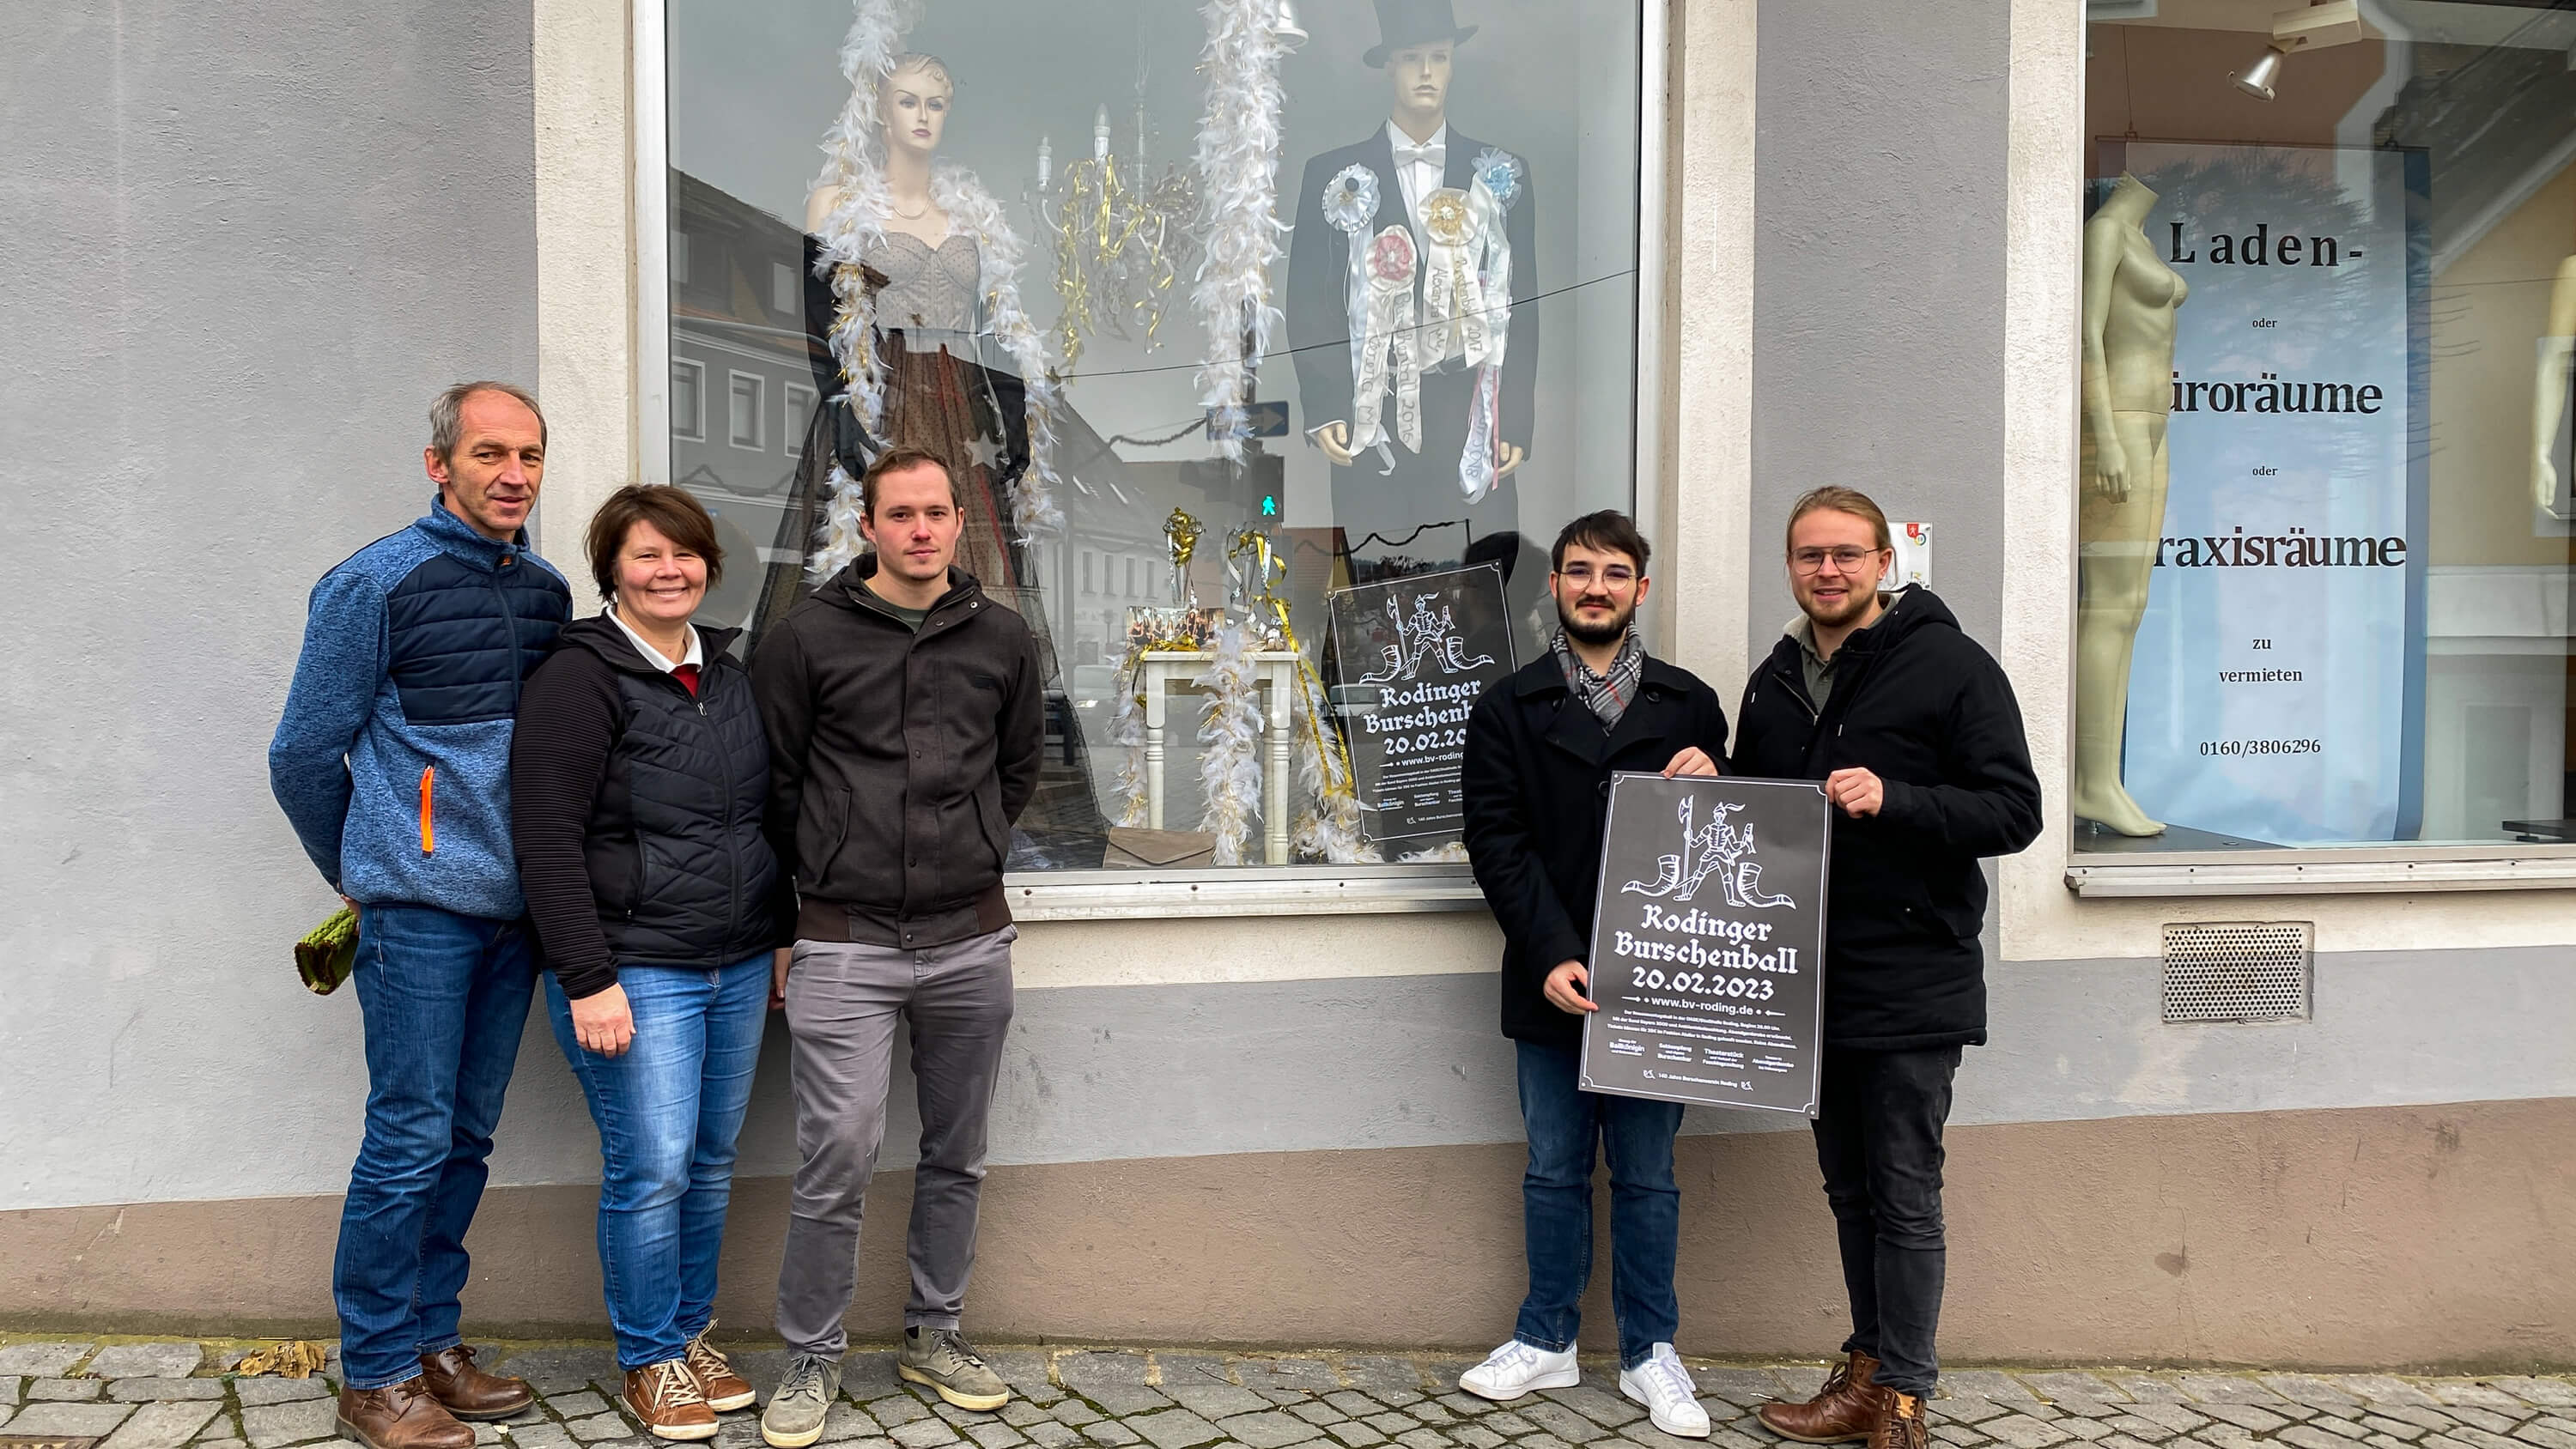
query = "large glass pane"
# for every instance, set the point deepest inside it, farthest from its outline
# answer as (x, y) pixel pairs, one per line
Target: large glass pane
(1450, 371)
(2324, 564)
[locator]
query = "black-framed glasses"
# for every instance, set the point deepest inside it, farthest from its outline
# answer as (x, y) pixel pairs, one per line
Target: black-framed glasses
(1846, 560)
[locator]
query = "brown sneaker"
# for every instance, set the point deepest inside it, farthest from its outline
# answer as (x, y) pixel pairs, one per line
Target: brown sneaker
(400, 1416)
(1902, 1425)
(467, 1391)
(1848, 1407)
(664, 1398)
(725, 1390)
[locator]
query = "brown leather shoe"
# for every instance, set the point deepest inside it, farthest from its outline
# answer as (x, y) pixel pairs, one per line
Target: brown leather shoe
(1902, 1425)
(1848, 1407)
(467, 1391)
(725, 1390)
(664, 1398)
(400, 1416)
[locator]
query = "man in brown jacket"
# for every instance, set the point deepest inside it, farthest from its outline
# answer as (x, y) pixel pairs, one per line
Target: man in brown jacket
(906, 719)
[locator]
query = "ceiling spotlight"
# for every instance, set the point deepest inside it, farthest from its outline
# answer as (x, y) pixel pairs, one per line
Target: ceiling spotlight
(2259, 78)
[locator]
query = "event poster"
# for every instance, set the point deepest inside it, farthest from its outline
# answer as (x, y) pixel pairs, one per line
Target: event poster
(2275, 688)
(1412, 655)
(1708, 942)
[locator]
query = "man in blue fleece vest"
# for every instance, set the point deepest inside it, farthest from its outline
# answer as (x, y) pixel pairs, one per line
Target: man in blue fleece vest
(393, 763)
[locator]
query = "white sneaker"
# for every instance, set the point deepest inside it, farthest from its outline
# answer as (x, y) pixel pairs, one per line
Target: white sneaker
(1665, 1388)
(1516, 1368)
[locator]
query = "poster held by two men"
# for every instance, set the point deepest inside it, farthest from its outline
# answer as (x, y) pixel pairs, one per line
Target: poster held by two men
(1708, 942)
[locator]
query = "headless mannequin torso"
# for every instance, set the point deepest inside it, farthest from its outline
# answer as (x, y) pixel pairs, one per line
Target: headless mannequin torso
(2130, 300)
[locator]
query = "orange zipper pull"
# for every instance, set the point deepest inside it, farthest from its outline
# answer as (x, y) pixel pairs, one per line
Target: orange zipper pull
(428, 830)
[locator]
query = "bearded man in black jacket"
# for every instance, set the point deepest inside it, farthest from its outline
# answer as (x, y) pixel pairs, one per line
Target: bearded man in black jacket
(1913, 729)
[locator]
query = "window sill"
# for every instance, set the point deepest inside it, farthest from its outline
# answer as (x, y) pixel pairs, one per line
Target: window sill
(1107, 895)
(2326, 872)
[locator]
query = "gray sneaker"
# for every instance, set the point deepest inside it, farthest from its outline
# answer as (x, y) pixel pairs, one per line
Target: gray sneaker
(794, 1417)
(943, 1359)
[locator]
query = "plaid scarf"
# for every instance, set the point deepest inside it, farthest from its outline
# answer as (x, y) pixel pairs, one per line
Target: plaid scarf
(1606, 695)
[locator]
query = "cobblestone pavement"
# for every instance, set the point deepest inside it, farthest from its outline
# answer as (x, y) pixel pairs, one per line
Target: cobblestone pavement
(168, 1395)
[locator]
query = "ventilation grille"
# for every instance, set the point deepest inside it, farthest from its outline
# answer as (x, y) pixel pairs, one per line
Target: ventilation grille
(2237, 971)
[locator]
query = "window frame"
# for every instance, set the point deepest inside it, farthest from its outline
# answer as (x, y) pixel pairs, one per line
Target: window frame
(697, 432)
(1236, 891)
(790, 436)
(759, 410)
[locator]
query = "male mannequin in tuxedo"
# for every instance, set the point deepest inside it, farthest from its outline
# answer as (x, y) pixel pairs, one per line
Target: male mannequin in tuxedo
(1413, 156)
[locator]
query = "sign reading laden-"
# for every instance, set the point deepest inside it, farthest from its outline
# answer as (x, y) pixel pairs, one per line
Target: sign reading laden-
(1411, 656)
(1708, 942)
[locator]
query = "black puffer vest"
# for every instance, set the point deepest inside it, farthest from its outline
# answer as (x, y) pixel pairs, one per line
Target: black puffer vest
(678, 864)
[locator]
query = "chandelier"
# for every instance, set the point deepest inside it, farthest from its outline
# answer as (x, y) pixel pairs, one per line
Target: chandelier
(1121, 239)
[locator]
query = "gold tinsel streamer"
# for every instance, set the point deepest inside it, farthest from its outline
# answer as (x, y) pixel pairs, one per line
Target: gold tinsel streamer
(1337, 782)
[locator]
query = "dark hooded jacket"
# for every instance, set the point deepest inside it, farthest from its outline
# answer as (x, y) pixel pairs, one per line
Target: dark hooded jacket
(1536, 783)
(1924, 707)
(899, 758)
(635, 810)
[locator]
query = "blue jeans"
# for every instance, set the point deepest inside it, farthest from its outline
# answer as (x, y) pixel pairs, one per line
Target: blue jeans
(445, 999)
(668, 1110)
(1556, 1206)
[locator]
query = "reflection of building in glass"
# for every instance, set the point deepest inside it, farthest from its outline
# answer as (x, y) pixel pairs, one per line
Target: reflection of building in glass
(742, 374)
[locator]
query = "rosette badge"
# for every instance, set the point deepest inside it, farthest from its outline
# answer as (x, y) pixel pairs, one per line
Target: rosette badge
(1444, 216)
(1391, 256)
(1500, 171)
(1350, 199)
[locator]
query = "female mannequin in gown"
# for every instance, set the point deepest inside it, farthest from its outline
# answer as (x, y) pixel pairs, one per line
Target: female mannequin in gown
(911, 272)
(2130, 297)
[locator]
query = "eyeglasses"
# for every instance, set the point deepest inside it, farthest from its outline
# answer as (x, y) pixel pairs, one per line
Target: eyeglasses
(1846, 560)
(1613, 577)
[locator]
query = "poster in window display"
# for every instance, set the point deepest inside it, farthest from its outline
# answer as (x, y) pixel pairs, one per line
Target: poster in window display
(2275, 691)
(1708, 942)
(1411, 656)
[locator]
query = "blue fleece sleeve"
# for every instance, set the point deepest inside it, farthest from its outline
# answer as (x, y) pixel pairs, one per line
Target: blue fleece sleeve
(326, 708)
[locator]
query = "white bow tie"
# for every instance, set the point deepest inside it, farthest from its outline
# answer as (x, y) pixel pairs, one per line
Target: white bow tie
(1434, 154)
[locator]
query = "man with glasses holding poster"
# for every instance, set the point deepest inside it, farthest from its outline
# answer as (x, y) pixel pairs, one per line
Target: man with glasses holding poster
(1913, 729)
(1541, 748)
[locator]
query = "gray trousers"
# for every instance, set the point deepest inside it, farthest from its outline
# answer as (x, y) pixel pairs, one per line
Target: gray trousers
(842, 1003)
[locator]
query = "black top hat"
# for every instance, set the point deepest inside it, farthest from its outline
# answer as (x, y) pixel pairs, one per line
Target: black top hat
(1413, 22)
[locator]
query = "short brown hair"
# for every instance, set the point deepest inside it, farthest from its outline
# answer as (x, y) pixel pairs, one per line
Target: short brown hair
(895, 460)
(1609, 531)
(673, 511)
(1836, 499)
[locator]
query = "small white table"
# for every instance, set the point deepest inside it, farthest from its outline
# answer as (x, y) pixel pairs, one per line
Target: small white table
(1157, 670)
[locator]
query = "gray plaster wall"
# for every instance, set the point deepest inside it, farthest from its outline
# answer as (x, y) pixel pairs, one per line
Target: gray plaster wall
(243, 245)
(1878, 309)
(1113, 1073)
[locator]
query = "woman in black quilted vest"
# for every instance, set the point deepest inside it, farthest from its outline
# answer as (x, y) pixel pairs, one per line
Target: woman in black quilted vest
(637, 775)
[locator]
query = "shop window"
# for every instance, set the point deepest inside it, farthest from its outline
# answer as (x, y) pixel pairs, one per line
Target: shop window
(1017, 197)
(2324, 541)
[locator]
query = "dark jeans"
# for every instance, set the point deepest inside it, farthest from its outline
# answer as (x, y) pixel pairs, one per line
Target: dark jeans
(668, 1110)
(445, 999)
(1878, 1138)
(1565, 1124)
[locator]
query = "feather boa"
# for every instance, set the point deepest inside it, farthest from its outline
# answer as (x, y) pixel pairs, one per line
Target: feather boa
(1127, 732)
(1328, 829)
(1230, 769)
(1238, 166)
(857, 223)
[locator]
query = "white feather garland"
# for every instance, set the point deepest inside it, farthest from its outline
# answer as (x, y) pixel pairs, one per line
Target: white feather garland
(1328, 827)
(857, 224)
(1127, 732)
(1238, 166)
(1230, 727)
